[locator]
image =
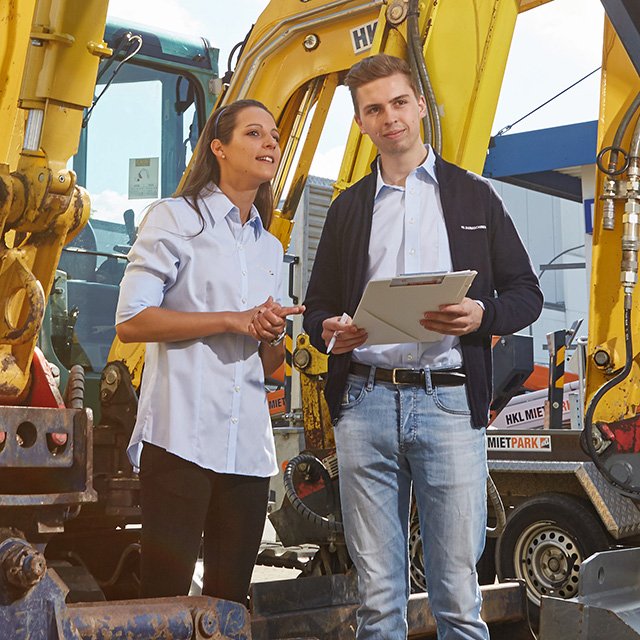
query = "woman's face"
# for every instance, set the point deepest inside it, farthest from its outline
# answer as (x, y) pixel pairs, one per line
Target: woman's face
(251, 156)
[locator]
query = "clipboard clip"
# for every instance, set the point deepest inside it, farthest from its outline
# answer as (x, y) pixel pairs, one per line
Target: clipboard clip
(416, 279)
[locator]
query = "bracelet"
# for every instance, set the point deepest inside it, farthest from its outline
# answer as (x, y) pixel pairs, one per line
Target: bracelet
(277, 340)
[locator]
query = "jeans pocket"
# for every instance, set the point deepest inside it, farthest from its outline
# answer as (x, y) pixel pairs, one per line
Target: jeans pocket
(354, 391)
(452, 400)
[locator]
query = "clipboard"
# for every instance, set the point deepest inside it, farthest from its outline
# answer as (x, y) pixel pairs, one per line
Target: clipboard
(390, 309)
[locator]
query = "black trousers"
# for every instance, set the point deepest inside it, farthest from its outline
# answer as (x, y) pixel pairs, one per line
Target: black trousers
(180, 502)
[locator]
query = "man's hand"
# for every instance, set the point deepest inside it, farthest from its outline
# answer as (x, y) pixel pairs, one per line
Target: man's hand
(348, 337)
(454, 319)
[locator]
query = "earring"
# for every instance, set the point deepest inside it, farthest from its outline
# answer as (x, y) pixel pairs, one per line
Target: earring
(223, 156)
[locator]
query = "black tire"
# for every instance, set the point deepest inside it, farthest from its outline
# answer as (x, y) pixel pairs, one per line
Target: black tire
(417, 578)
(545, 541)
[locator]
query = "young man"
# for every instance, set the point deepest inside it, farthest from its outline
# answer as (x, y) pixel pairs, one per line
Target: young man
(414, 413)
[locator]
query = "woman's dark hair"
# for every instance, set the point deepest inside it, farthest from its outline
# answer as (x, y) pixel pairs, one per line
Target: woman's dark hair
(205, 168)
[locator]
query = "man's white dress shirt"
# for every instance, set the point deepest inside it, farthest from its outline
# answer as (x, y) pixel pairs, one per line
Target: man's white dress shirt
(408, 235)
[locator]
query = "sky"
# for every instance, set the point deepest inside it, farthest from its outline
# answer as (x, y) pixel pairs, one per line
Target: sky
(553, 46)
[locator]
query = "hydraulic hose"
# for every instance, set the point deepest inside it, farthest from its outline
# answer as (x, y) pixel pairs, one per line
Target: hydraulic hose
(629, 267)
(496, 501)
(615, 147)
(634, 149)
(607, 386)
(74, 394)
(334, 526)
(624, 123)
(434, 135)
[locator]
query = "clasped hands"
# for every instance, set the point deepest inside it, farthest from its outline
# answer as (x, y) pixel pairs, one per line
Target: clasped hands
(268, 321)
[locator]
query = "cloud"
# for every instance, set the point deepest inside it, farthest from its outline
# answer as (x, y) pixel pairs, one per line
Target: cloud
(169, 15)
(326, 164)
(110, 205)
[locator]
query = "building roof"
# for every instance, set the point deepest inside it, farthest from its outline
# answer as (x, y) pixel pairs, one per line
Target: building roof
(546, 160)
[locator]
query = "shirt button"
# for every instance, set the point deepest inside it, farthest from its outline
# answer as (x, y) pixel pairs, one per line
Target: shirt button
(412, 252)
(234, 420)
(244, 272)
(244, 300)
(410, 220)
(409, 357)
(236, 389)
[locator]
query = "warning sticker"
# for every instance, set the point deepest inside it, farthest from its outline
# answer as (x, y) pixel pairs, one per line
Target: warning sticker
(143, 178)
(518, 443)
(277, 402)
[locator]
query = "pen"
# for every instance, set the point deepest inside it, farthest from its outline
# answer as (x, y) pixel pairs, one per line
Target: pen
(332, 343)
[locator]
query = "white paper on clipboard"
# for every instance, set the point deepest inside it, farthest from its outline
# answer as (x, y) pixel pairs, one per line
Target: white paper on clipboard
(390, 309)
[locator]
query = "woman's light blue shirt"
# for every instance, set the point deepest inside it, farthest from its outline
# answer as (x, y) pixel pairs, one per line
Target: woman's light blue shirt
(203, 400)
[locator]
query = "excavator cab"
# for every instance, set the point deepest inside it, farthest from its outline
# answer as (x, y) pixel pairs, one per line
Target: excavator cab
(151, 100)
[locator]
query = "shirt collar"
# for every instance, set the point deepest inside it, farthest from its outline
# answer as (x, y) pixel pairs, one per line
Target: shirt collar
(427, 168)
(220, 207)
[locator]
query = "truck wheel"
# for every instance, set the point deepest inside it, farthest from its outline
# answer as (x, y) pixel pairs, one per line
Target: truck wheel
(417, 579)
(545, 541)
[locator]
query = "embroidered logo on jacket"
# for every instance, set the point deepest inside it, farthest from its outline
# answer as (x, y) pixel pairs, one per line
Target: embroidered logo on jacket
(473, 227)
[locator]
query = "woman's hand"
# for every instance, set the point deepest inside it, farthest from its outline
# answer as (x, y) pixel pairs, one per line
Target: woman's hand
(268, 320)
(267, 325)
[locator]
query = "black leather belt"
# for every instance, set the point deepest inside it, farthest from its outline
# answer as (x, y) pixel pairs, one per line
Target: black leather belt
(415, 377)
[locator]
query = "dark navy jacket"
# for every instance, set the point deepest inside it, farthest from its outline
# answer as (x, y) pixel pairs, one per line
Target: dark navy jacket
(481, 237)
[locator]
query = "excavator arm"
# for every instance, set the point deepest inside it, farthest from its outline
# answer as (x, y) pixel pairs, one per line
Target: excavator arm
(612, 414)
(295, 58)
(51, 55)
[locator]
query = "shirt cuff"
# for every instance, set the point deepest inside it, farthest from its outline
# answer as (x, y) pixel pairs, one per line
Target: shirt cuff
(480, 304)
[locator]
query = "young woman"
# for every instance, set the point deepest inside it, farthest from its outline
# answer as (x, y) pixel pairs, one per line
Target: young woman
(201, 290)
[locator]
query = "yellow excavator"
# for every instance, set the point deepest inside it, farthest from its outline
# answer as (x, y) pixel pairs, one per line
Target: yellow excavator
(293, 60)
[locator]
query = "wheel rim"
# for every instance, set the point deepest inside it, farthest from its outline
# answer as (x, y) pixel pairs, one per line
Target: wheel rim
(548, 559)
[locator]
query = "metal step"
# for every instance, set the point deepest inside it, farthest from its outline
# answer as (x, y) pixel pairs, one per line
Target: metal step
(607, 605)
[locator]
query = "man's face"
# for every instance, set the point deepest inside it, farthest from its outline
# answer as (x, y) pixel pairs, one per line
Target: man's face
(389, 113)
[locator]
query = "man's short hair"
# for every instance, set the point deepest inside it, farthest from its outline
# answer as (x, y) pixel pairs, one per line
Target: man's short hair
(381, 65)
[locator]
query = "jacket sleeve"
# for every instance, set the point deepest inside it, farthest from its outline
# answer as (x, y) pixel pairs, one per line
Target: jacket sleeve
(324, 297)
(518, 300)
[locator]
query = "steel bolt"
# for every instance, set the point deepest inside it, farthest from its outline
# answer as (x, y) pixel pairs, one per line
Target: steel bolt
(302, 358)
(395, 12)
(311, 42)
(23, 565)
(207, 624)
(601, 358)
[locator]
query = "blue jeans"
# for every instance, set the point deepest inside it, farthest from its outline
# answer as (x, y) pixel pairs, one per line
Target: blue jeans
(387, 437)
